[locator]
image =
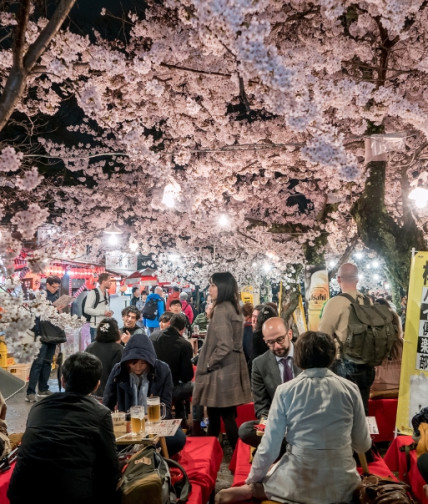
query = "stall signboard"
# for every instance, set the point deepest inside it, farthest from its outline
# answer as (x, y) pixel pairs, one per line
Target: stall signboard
(120, 261)
(413, 393)
(316, 294)
(250, 295)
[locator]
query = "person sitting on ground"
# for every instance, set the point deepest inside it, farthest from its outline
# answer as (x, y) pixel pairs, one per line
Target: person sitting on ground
(165, 320)
(274, 367)
(176, 308)
(202, 319)
(4, 438)
(387, 375)
(130, 316)
(68, 452)
(264, 313)
(107, 348)
(323, 417)
(138, 376)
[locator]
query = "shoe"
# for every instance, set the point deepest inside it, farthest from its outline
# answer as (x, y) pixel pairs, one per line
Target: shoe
(45, 393)
(30, 397)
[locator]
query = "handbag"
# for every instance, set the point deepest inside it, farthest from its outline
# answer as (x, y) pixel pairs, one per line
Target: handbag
(51, 334)
(376, 490)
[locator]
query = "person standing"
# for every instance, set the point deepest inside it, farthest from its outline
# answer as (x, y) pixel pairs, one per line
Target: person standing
(222, 380)
(41, 367)
(136, 293)
(175, 294)
(186, 307)
(68, 452)
(334, 321)
(99, 310)
(155, 299)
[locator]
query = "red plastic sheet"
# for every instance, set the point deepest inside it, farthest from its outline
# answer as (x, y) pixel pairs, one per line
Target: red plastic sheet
(397, 461)
(201, 458)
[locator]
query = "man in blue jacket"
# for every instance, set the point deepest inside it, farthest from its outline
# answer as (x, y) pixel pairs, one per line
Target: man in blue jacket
(152, 324)
(140, 375)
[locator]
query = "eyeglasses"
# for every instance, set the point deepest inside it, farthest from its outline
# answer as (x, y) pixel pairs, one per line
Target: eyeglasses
(278, 340)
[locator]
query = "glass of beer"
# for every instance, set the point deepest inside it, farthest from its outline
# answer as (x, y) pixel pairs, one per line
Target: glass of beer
(138, 423)
(119, 423)
(154, 407)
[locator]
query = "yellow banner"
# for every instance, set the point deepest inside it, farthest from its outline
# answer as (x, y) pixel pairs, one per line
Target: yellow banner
(250, 295)
(413, 394)
(317, 293)
(299, 317)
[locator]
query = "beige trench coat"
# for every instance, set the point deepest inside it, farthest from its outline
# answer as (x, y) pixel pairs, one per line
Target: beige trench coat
(222, 376)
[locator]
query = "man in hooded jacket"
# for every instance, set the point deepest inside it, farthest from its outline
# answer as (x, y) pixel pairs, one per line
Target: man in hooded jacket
(137, 376)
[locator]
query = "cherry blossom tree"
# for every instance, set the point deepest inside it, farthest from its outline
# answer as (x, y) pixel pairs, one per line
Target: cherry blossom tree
(259, 110)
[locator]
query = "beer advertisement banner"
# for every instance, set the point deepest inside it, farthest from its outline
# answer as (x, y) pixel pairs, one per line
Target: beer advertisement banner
(299, 317)
(316, 294)
(413, 393)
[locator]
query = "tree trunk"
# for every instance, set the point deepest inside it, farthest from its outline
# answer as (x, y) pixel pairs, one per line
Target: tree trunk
(379, 232)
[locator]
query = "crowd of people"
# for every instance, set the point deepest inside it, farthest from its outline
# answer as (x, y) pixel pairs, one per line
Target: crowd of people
(312, 398)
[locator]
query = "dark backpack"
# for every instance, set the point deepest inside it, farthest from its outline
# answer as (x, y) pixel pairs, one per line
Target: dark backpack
(150, 478)
(150, 310)
(97, 301)
(371, 332)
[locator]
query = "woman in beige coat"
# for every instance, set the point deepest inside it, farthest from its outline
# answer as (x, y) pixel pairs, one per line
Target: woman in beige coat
(222, 380)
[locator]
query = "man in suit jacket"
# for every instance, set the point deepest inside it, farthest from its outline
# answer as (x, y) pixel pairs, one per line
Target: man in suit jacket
(269, 370)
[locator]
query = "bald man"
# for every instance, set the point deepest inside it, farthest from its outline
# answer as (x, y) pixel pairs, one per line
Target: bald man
(269, 370)
(334, 321)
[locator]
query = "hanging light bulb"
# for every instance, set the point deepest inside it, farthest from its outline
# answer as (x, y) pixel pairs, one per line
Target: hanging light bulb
(171, 193)
(223, 220)
(420, 196)
(113, 230)
(113, 239)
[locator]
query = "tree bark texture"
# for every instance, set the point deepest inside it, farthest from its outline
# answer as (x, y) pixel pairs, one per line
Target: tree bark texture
(379, 232)
(23, 62)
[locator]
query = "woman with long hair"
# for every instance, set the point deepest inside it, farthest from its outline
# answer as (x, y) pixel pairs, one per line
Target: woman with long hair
(222, 380)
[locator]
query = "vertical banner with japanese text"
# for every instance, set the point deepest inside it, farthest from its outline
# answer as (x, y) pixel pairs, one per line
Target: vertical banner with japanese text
(413, 393)
(316, 293)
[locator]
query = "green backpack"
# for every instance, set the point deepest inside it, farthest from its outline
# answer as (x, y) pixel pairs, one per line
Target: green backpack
(371, 332)
(149, 478)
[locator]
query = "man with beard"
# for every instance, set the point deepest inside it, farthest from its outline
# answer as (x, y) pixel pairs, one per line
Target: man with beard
(274, 367)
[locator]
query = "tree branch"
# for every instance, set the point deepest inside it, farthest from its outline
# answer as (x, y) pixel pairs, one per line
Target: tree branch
(23, 64)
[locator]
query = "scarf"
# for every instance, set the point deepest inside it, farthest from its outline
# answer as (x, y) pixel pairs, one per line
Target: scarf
(140, 389)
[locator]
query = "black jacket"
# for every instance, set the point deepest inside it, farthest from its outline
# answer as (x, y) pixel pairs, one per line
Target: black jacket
(109, 354)
(118, 389)
(45, 328)
(68, 453)
(173, 349)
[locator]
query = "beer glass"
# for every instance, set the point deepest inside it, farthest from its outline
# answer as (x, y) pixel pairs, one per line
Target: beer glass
(119, 423)
(154, 407)
(138, 423)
